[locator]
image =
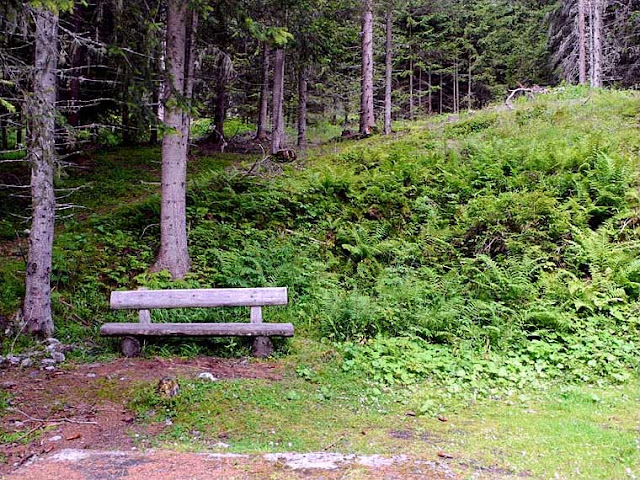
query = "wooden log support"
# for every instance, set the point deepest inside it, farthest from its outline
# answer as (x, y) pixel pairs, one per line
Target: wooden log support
(197, 329)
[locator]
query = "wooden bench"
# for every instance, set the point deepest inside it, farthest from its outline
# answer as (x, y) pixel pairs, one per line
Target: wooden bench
(146, 300)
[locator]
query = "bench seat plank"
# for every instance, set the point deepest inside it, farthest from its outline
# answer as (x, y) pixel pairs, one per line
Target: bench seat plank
(198, 329)
(198, 298)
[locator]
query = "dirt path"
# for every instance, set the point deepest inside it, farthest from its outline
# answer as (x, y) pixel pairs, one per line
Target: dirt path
(83, 406)
(162, 465)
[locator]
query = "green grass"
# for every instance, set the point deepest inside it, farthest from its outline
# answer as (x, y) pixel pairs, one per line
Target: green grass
(569, 430)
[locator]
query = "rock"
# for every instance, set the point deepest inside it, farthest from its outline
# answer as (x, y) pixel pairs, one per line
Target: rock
(52, 341)
(26, 363)
(51, 348)
(91, 375)
(50, 368)
(13, 360)
(55, 438)
(207, 376)
(58, 357)
(47, 361)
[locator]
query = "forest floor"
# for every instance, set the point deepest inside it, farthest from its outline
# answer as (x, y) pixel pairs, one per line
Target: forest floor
(91, 420)
(77, 423)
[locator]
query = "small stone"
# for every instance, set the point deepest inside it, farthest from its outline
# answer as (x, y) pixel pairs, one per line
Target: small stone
(51, 348)
(13, 360)
(26, 363)
(207, 376)
(55, 438)
(52, 341)
(58, 357)
(221, 445)
(50, 368)
(168, 422)
(48, 361)
(91, 375)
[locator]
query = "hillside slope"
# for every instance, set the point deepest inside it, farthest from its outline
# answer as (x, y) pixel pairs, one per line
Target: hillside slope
(511, 231)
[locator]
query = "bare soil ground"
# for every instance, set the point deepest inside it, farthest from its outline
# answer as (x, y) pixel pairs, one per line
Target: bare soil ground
(70, 424)
(76, 407)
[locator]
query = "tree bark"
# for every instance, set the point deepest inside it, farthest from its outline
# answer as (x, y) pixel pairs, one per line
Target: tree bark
(430, 104)
(174, 255)
(261, 134)
(19, 139)
(411, 89)
(277, 136)
(302, 107)
(597, 44)
(367, 118)
(582, 45)
(190, 70)
(41, 154)
(3, 134)
(388, 69)
(469, 87)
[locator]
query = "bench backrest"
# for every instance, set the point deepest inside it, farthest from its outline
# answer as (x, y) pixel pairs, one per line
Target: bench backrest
(205, 297)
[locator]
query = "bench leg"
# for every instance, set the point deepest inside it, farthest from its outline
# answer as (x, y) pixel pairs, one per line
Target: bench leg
(262, 347)
(130, 347)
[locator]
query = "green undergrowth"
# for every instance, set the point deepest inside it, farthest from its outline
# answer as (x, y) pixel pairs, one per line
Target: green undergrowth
(496, 250)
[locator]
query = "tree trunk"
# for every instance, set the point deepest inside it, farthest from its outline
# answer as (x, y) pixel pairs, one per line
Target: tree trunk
(430, 104)
(411, 89)
(126, 124)
(419, 89)
(41, 153)
(4, 140)
(441, 96)
(261, 134)
(367, 118)
(597, 43)
(582, 45)
(174, 255)
(388, 69)
(469, 88)
(220, 111)
(302, 107)
(190, 70)
(155, 99)
(277, 136)
(19, 139)
(77, 57)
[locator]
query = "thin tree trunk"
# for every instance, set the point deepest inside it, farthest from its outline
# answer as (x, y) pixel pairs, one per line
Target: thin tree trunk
(124, 112)
(388, 69)
(411, 89)
(220, 112)
(582, 47)
(441, 96)
(277, 136)
(302, 107)
(367, 118)
(469, 88)
(591, 42)
(41, 153)
(430, 104)
(597, 43)
(19, 139)
(155, 99)
(174, 255)
(4, 140)
(261, 134)
(419, 89)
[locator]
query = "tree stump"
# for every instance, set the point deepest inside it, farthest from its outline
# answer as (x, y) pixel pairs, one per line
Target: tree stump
(262, 347)
(130, 347)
